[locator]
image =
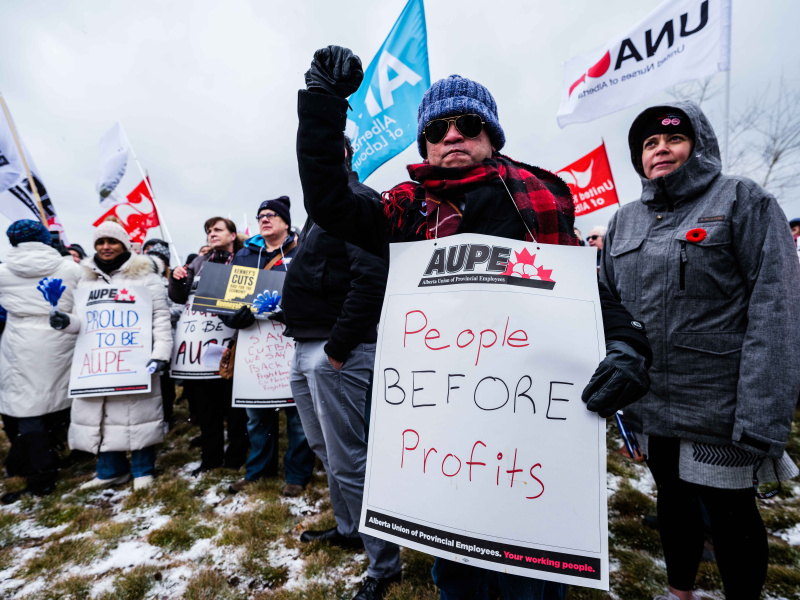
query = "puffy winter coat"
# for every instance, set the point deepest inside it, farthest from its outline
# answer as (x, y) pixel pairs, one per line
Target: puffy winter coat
(35, 359)
(129, 421)
(707, 262)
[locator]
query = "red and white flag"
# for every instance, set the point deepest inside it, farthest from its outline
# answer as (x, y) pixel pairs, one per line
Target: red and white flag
(679, 41)
(137, 215)
(590, 180)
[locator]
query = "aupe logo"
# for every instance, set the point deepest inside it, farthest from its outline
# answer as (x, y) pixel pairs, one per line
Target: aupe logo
(480, 263)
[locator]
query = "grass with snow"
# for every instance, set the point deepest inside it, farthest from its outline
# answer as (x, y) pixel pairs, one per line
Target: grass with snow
(189, 538)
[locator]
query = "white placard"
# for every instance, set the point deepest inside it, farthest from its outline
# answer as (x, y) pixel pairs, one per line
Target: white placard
(480, 448)
(261, 368)
(195, 332)
(115, 341)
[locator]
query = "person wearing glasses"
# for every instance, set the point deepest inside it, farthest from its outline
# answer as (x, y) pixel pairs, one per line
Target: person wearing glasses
(595, 237)
(274, 247)
(463, 185)
(707, 260)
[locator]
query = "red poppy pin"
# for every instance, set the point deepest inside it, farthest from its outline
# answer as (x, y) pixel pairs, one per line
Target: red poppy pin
(280, 262)
(696, 235)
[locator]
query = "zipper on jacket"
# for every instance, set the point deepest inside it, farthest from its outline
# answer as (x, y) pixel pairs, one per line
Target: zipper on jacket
(684, 260)
(663, 189)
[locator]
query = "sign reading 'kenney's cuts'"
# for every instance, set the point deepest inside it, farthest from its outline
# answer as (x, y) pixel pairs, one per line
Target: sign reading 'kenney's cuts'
(480, 449)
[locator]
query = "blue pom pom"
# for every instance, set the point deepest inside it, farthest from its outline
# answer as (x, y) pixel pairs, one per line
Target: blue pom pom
(266, 302)
(51, 289)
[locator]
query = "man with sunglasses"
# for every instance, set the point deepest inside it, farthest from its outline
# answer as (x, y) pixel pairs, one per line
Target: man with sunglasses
(274, 247)
(464, 185)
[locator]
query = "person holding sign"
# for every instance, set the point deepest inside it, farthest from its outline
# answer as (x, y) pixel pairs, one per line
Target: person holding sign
(209, 395)
(710, 258)
(464, 185)
(272, 249)
(332, 304)
(111, 425)
(34, 359)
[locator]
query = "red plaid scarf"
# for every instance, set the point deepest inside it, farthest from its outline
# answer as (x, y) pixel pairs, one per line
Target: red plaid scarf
(430, 208)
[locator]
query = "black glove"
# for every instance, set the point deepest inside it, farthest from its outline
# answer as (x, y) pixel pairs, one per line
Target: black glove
(59, 320)
(619, 380)
(241, 319)
(335, 71)
(277, 316)
(157, 366)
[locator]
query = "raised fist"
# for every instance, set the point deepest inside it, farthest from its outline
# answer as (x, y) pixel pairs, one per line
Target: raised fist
(335, 71)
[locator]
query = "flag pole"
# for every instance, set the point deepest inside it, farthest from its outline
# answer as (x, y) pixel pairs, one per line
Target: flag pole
(31, 182)
(725, 164)
(603, 142)
(155, 204)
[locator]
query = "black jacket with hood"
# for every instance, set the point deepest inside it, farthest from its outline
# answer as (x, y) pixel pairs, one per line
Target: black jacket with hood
(334, 290)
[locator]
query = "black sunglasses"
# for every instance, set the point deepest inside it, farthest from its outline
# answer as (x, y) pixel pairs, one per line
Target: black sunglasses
(592, 237)
(470, 126)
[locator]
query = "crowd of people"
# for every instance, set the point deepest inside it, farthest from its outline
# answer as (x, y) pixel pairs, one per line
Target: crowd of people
(697, 282)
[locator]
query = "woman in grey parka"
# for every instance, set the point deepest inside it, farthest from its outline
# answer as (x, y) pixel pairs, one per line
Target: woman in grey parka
(707, 262)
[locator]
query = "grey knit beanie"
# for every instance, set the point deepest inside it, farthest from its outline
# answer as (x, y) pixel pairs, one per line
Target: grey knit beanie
(458, 95)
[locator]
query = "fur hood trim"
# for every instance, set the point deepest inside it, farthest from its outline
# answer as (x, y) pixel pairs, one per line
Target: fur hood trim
(136, 267)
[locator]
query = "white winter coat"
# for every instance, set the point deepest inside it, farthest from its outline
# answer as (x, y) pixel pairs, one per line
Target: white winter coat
(34, 358)
(129, 421)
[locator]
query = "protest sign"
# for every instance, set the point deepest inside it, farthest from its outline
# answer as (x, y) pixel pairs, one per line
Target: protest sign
(115, 341)
(224, 289)
(480, 448)
(261, 367)
(195, 332)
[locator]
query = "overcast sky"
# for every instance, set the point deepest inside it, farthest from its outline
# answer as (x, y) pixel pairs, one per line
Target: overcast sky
(207, 91)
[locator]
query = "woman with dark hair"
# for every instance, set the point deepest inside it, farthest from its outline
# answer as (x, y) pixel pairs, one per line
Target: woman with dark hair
(111, 426)
(210, 397)
(706, 262)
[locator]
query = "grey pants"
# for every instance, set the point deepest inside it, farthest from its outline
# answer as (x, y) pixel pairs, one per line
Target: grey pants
(331, 405)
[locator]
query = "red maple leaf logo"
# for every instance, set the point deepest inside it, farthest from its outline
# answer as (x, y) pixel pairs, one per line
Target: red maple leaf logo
(524, 267)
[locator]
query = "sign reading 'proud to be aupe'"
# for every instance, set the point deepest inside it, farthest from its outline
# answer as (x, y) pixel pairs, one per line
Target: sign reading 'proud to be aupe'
(114, 343)
(480, 449)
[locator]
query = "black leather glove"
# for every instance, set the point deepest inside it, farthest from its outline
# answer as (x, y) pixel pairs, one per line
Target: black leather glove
(241, 319)
(335, 71)
(156, 366)
(59, 320)
(620, 379)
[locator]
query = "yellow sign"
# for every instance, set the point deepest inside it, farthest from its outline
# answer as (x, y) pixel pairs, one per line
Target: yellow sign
(242, 282)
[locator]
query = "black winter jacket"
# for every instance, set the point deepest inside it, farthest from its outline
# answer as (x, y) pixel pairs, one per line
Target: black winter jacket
(334, 290)
(360, 221)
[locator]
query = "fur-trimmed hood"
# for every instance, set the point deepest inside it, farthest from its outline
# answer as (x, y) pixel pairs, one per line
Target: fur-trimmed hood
(136, 267)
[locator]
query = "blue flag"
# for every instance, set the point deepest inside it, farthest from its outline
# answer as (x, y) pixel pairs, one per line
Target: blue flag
(383, 119)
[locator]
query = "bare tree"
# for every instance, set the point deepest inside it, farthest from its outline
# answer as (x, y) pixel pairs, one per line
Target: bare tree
(764, 134)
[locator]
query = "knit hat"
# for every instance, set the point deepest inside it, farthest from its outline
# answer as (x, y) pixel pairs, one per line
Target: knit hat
(281, 206)
(458, 95)
(158, 248)
(28, 230)
(673, 121)
(115, 231)
(79, 249)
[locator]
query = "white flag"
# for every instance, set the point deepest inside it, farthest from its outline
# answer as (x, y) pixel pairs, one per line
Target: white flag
(114, 151)
(679, 41)
(17, 200)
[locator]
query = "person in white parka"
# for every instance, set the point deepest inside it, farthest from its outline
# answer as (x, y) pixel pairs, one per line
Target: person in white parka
(34, 360)
(112, 425)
